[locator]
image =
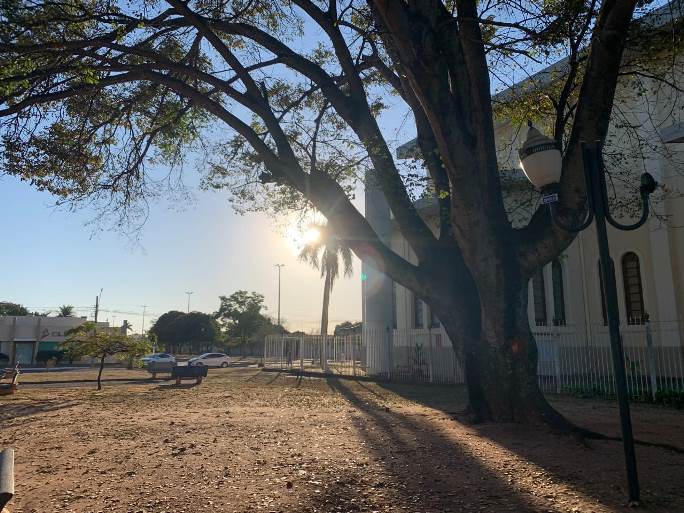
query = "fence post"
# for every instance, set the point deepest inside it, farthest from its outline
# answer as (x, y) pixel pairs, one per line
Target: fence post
(301, 354)
(651, 360)
(353, 354)
(430, 367)
(555, 343)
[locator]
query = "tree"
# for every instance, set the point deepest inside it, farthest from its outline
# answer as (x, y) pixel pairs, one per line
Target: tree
(240, 315)
(12, 309)
(194, 331)
(163, 328)
(79, 78)
(324, 253)
(85, 341)
(66, 311)
(348, 328)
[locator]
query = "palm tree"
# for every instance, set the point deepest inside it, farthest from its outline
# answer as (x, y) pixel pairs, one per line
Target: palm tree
(325, 253)
(66, 311)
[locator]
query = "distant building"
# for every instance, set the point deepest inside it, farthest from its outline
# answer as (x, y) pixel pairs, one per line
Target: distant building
(21, 338)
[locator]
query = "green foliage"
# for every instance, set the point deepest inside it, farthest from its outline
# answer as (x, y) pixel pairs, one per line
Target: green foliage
(7, 308)
(85, 341)
(348, 328)
(193, 331)
(241, 318)
(66, 311)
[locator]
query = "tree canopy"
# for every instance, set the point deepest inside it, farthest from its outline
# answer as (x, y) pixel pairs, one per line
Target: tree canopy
(85, 340)
(7, 308)
(241, 318)
(193, 332)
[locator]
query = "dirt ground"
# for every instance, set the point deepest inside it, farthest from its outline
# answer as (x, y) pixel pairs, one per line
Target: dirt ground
(251, 441)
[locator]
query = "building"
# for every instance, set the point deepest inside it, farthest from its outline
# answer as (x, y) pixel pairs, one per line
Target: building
(565, 298)
(22, 337)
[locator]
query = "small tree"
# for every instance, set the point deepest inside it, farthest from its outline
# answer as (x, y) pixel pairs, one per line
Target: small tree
(85, 341)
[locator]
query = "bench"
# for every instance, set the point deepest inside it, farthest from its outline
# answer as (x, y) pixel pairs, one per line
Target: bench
(155, 368)
(8, 380)
(196, 373)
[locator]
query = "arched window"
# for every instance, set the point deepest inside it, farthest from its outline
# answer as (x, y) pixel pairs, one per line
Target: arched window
(539, 295)
(634, 293)
(558, 293)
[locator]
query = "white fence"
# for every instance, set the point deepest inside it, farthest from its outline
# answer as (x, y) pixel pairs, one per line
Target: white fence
(570, 358)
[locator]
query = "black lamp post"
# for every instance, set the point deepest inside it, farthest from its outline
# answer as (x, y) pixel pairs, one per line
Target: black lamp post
(541, 161)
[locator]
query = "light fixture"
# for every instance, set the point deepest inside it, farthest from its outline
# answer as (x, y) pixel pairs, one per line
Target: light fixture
(540, 160)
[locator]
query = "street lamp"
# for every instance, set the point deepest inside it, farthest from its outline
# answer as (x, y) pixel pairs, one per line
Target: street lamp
(540, 159)
(279, 266)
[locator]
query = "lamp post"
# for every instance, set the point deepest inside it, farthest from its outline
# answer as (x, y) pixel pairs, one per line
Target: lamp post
(541, 161)
(279, 266)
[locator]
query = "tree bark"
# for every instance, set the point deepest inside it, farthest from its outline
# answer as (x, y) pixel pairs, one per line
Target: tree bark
(326, 304)
(99, 373)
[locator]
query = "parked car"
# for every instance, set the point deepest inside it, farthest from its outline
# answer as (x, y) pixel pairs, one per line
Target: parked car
(159, 358)
(210, 360)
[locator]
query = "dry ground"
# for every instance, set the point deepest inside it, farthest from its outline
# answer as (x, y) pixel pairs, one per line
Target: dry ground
(251, 441)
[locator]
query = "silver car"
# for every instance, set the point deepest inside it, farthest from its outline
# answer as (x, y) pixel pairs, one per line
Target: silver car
(159, 358)
(210, 360)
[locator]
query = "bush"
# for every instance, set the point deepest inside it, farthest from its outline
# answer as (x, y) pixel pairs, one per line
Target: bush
(45, 356)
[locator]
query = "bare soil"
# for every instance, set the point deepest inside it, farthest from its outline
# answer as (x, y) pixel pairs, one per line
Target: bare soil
(253, 441)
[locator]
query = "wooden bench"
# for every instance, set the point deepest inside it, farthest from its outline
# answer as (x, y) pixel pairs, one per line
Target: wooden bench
(155, 368)
(196, 373)
(8, 380)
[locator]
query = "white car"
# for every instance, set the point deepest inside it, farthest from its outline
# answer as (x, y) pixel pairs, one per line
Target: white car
(159, 358)
(210, 360)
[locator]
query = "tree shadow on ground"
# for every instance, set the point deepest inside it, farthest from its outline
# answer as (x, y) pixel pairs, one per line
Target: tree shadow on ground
(429, 471)
(11, 411)
(596, 468)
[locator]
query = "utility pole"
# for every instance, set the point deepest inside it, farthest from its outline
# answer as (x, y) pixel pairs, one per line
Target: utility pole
(97, 306)
(142, 330)
(189, 293)
(279, 266)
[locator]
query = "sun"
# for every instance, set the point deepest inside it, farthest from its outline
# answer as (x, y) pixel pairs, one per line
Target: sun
(298, 236)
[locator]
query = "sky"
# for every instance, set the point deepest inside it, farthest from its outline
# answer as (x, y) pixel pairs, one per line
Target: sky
(52, 257)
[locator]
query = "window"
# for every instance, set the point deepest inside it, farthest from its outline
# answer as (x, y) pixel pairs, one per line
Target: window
(558, 293)
(634, 293)
(394, 305)
(417, 312)
(539, 295)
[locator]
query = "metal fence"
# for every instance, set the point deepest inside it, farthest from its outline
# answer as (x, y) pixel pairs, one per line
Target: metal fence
(571, 358)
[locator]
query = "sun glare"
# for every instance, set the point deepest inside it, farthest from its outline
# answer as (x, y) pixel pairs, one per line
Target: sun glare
(298, 236)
